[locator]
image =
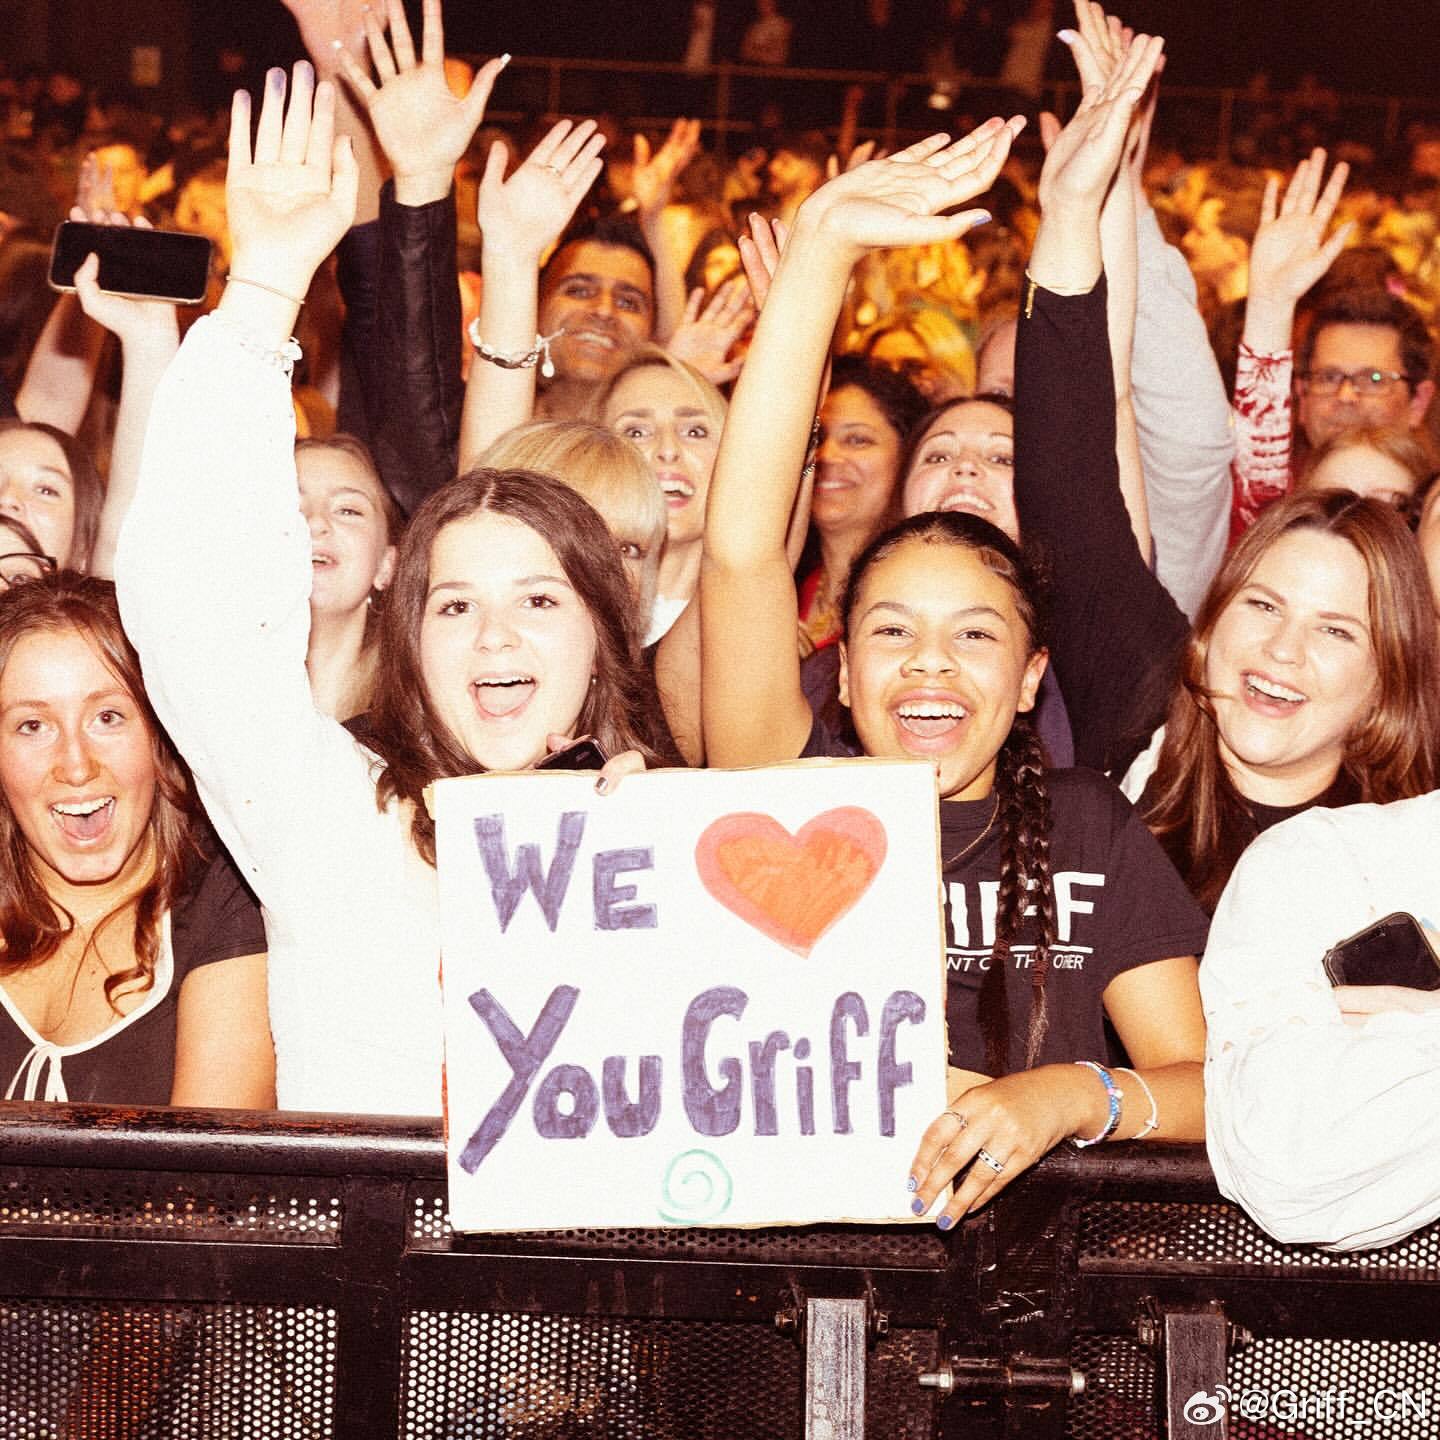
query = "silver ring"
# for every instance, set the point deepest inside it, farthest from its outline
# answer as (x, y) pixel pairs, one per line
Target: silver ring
(987, 1158)
(963, 1121)
(553, 169)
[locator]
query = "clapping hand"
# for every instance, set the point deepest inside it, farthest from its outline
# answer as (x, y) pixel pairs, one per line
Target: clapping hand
(654, 175)
(524, 215)
(290, 200)
(1084, 156)
(423, 128)
(900, 200)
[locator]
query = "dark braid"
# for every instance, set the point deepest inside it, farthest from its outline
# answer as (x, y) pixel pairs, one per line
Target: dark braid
(1024, 814)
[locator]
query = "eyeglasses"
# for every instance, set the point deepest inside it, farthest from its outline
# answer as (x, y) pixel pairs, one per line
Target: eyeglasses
(1362, 382)
(17, 568)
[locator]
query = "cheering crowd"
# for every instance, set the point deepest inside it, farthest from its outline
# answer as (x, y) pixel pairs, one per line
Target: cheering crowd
(921, 455)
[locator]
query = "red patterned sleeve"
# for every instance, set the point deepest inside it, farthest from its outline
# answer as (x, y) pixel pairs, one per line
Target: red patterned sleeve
(1260, 472)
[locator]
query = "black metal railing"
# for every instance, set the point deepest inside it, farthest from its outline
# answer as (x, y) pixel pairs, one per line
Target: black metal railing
(216, 1274)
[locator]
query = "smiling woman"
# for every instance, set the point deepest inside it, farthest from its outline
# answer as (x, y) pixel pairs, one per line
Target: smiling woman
(132, 970)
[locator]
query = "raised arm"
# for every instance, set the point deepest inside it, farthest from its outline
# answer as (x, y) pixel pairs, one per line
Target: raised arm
(1289, 255)
(423, 129)
(213, 567)
(149, 337)
(520, 219)
(655, 173)
(1112, 621)
(754, 709)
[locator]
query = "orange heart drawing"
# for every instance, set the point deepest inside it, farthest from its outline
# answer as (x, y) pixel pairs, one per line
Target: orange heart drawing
(792, 888)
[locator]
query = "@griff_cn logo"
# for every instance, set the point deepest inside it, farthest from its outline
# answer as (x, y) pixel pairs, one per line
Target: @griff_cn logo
(1202, 1408)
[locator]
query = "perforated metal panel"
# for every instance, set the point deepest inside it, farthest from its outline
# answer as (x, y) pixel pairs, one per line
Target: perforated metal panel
(160, 1205)
(1223, 1237)
(901, 1247)
(199, 1372)
(550, 1377)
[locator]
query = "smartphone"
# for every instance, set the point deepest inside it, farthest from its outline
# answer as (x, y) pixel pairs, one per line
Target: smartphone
(146, 264)
(1392, 951)
(583, 754)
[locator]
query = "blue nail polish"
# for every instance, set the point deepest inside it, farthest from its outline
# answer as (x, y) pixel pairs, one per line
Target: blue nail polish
(275, 78)
(917, 1206)
(944, 1222)
(981, 217)
(911, 1184)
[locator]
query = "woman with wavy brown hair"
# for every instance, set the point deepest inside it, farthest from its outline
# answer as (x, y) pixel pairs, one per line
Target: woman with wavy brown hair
(133, 965)
(1312, 677)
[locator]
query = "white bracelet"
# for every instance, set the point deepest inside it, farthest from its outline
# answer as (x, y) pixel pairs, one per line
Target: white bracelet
(516, 359)
(1153, 1123)
(282, 358)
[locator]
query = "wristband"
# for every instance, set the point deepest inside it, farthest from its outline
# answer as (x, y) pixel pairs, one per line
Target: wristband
(516, 359)
(1113, 1094)
(1153, 1123)
(261, 285)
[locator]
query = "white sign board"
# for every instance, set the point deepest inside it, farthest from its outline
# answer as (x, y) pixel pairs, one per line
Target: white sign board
(713, 997)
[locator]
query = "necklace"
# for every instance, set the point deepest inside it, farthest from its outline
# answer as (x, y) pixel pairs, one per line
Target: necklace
(961, 854)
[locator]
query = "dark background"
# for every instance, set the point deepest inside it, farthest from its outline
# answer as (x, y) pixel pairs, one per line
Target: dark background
(1377, 46)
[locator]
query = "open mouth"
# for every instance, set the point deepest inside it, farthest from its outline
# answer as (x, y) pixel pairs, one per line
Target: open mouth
(676, 490)
(500, 696)
(600, 338)
(321, 559)
(972, 502)
(1270, 694)
(84, 819)
(930, 719)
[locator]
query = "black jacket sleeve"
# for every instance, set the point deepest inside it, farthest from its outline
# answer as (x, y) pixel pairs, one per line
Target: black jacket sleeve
(1115, 634)
(415, 423)
(357, 273)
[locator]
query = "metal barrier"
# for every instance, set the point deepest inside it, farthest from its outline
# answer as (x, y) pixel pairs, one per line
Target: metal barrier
(729, 99)
(194, 1274)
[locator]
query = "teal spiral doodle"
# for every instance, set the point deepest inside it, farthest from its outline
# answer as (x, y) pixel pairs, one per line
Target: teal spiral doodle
(697, 1189)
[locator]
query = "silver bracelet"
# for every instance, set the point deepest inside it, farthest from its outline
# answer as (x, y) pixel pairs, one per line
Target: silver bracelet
(283, 358)
(1153, 1123)
(516, 359)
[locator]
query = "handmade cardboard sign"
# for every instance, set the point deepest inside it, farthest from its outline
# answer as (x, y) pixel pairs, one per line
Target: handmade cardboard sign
(711, 998)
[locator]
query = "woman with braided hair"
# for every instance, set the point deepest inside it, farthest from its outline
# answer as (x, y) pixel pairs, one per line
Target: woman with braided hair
(1062, 910)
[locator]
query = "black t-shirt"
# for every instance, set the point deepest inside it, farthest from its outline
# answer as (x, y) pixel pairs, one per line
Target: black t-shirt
(1119, 905)
(133, 1063)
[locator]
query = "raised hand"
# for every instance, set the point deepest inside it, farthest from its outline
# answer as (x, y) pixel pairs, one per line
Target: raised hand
(1085, 155)
(135, 322)
(900, 200)
(760, 255)
(330, 28)
(706, 337)
(422, 126)
(1291, 252)
(291, 200)
(524, 215)
(654, 175)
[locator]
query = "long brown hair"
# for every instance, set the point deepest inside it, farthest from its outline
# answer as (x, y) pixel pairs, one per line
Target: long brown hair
(89, 491)
(1191, 803)
(1021, 795)
(32, 924)
(621, 708)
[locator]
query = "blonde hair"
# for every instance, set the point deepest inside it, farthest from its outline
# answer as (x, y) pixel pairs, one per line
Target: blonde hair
(714, 404)
(604, 468)
(1391, 441)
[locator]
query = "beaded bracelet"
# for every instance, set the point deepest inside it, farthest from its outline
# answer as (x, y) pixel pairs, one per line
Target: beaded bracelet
(282, 358)
(1114, 1094)
(518, 359)
(1153, 1123)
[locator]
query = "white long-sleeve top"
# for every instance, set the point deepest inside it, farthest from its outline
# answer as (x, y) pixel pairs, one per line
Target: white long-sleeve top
(213, 573)
(1326, 1133)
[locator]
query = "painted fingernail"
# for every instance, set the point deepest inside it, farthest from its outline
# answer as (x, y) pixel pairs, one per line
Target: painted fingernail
(505, 58)
(917, 1206)
(911, 1184)
(981, 217)
(602, 785)
(304, 70)
(944, 1222)
(1066, 37)
(275, 78)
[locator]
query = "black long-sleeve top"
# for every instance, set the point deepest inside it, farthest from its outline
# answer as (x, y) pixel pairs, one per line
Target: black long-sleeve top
(1115, 635)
